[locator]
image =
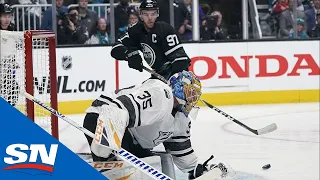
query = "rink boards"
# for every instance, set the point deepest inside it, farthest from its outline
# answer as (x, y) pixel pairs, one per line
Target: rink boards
(231, 73)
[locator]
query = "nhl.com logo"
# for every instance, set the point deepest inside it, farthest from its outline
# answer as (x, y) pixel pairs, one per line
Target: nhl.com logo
(33, 159)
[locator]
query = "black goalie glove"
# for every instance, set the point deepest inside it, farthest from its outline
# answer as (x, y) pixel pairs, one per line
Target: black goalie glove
(134, 59)
(200, 169)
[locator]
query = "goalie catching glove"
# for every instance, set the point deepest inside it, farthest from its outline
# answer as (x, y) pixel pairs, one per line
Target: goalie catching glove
(201, 169)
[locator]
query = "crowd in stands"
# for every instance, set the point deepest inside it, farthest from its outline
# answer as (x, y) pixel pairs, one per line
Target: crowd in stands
(307, 18)
(78, 24)
(82, 25)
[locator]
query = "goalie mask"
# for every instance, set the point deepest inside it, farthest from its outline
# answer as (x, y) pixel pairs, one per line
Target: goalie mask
(186, 88)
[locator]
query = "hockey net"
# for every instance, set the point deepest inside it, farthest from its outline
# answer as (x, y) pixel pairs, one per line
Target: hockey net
(28, 63)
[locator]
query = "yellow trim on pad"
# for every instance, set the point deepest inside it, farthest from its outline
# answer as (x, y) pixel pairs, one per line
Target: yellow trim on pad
(218, 99)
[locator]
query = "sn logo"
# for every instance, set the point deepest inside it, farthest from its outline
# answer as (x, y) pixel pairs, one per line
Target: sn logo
(19, 158)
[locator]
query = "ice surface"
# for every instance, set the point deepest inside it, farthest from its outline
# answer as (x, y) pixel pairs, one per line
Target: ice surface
(292, 150)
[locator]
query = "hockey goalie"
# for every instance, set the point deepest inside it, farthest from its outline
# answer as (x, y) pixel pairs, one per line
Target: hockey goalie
(141, 117)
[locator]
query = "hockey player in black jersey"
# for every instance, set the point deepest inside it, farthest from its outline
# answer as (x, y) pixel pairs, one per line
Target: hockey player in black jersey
(158, 42)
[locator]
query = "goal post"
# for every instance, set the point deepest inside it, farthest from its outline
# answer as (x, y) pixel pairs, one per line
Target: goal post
(28, 63)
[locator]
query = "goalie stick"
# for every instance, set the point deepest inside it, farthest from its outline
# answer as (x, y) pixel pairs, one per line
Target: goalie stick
(264, 130)
(121, 153)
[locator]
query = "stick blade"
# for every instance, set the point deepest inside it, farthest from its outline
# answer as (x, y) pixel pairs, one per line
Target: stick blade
(270, 128)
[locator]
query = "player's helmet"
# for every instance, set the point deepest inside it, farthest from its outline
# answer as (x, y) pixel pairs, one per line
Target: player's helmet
(149, 5)
(5, 9)
(186, 88)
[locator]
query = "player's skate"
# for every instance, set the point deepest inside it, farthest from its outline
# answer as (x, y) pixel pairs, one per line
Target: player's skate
(112, 123)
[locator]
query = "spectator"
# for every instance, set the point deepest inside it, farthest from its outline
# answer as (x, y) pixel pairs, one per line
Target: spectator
(6, 18)
(121, 15)
(133, 18)
(70, 31)
(47, 17)
(181, 14)
(300, 31)
(300, 6)
(311, 17)
(187, 31)
(34, 10)
(286, 20)
(88, 18)
(212, 29)
(317, 5)
(316, 30)
(9, 87)
(101, 36)
(31, 15)
(281, 6)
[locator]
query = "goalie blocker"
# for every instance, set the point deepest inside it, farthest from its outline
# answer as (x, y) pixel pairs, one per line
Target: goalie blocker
(141, 117)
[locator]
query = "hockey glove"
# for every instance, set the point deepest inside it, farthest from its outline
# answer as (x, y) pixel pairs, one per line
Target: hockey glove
(200, 169)
(134, 59)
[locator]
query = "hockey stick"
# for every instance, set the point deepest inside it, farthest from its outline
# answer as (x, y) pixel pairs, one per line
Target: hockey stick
(265, 130)
(121, 153)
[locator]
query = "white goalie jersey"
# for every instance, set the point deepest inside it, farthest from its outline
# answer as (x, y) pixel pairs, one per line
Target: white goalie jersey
(153, 121)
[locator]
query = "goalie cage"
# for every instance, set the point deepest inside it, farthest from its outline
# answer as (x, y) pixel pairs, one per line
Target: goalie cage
(28, 63)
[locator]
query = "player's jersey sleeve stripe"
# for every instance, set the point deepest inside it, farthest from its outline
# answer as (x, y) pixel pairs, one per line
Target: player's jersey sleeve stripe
(177, 146)
(119, 90)
(184, 154)
(180, 137)
(179, 59)
(98, 103)
(126, 101)
(118, 45)
(103, 100)
(173, 49)
(138, 123)
(177, 153)
(106, 100)
(110, 100)
(123, 37)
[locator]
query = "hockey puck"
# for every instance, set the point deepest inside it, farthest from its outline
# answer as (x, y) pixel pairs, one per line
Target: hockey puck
(267, 166)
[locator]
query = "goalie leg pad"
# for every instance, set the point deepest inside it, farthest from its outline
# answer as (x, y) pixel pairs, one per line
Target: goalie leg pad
(111, 126)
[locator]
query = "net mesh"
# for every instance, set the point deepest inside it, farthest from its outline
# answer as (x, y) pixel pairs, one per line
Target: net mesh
(13, 74)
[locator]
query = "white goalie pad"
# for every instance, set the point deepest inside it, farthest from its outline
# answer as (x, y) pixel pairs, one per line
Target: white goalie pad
(111, 125)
